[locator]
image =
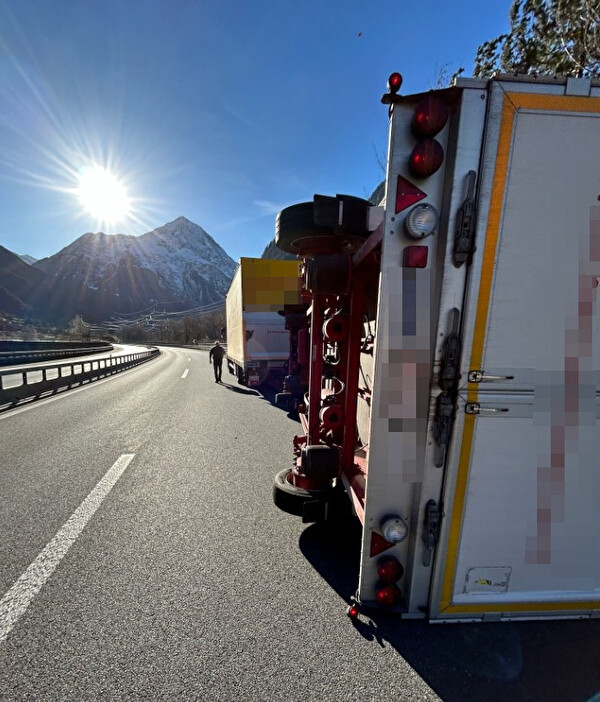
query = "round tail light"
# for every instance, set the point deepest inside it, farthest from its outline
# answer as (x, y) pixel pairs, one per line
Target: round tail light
(426, 158)
(389, 570)
(387, 595)
(430, 117)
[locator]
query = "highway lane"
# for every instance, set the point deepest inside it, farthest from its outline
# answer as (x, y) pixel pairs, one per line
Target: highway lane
(187, 583)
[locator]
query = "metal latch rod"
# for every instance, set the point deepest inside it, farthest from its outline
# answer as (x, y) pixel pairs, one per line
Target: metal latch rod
(478, 376)
(476, 408)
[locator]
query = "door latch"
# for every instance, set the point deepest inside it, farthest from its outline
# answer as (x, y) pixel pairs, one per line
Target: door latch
(450, 360)
(442, 426)
(464, 236)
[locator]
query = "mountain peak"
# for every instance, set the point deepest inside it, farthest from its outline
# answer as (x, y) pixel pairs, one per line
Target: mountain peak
(178, 264)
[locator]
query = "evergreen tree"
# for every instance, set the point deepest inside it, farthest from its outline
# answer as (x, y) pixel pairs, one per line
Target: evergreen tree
(548, 37)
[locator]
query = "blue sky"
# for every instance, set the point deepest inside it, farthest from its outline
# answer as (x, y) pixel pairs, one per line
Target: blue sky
(221, 111)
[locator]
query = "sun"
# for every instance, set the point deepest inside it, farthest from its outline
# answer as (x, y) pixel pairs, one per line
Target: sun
(103, 195)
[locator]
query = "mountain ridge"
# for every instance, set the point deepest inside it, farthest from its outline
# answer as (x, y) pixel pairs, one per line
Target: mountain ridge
(178, 265)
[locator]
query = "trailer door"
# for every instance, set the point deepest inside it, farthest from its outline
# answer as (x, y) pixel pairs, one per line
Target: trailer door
(521, 532)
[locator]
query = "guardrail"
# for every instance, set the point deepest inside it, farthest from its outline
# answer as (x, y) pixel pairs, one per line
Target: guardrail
(8, 358)
(32, 382)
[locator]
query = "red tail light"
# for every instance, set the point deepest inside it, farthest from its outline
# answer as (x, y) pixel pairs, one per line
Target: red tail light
(430, 117)
(426, 158)
(389, 569)
(387, 595)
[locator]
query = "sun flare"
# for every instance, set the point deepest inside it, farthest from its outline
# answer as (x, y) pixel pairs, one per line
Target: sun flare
(103, 195)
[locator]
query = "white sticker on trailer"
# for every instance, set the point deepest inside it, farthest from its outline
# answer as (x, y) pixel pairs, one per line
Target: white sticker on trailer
(487, 579)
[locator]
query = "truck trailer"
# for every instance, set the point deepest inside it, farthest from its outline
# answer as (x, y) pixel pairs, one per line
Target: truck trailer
(454, 380)
(258, 346)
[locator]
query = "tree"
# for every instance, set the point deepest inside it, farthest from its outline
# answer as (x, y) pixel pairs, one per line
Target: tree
(78, 328)
(548, 37)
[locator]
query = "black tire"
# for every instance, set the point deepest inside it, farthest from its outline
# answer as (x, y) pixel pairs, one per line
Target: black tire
(297, 233)
(291, 499)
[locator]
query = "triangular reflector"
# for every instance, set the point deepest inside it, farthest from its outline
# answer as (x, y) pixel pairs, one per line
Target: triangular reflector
(407, 194)
(378, 544)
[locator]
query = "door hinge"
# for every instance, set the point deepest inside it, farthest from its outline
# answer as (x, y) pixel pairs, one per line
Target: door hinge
(431, 530)
(464, 237)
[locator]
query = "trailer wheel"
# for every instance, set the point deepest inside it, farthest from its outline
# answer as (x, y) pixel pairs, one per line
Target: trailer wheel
(297, 233)
(291, 499)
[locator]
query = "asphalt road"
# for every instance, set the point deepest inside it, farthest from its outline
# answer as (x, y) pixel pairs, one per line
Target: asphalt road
(167, 573)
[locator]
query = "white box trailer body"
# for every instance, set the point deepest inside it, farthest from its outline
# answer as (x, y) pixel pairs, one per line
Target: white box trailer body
(257, 341)
(478, 405)
(519, 488)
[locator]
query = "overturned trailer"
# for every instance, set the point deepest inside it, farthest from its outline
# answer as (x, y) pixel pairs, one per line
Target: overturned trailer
(454, 380)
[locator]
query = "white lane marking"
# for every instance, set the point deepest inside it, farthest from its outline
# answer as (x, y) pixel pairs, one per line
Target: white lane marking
(190, 360)
(21, 594)
(185, 372)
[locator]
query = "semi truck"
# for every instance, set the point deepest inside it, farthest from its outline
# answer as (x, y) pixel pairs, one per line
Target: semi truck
(454, 381)
(258, 346)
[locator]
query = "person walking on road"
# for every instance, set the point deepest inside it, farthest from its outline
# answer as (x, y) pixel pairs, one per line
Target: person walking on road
(215, 356)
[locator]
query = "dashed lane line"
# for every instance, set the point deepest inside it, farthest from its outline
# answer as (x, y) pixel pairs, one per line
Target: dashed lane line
(16, 601)
(185, 372)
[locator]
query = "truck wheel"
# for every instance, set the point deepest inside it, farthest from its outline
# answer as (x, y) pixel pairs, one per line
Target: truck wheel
(297, 233)
(240, 375)
(291, 499)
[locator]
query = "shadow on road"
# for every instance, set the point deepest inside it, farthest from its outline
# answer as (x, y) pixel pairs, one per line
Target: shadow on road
(239, 389)
(268, 392)
(517, 661)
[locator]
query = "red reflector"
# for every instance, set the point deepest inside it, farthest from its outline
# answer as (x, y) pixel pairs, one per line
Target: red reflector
(430, 117)
(407, 194)
(378, 544)
(426, 158)
(387, 595)
(415, 256)
(394, 82)
(352, 611)
(389, 569)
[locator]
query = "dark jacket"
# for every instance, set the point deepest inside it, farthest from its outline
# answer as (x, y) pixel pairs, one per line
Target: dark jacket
(217, 352)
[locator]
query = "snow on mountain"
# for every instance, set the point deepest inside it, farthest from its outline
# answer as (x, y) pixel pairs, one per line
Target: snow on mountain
(178, 264)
